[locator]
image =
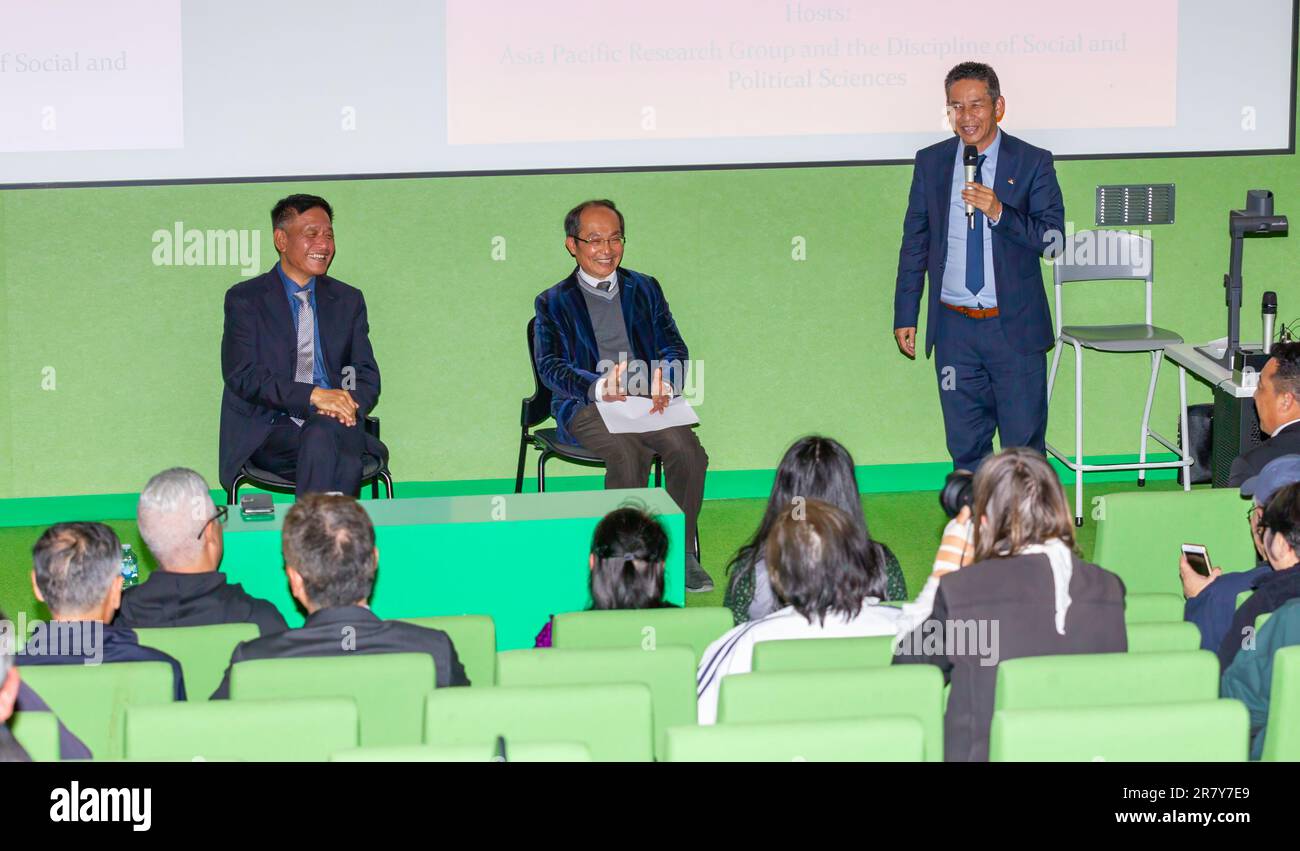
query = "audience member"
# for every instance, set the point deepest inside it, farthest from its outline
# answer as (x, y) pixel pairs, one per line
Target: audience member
(331, 560)
(1025, 594)
(77, 573)
(1212, 600)
(1280, 532)
(831, 577)
(626, 564)
(10, 749)
(813, 468)
(183, 529)
(1277, 401)
(1250, 676)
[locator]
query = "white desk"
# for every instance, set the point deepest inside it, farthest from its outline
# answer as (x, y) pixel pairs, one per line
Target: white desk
(1216, 374)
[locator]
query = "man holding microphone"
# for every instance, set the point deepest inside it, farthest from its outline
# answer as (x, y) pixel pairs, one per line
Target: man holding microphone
(980, 241)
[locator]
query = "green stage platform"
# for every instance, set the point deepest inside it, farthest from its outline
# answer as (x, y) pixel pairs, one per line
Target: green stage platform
(516, 557)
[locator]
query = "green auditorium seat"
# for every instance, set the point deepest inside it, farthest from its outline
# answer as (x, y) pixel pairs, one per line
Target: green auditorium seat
(388, 688)
(38, 733)
(91, 700)
(1106, 679)
(475, 639)
(1282, 735)
(242, 730)
(820, 654)
(860, 740)
(1197, 731)
(1163, 637)
(1139, 535)
(1244, 596)
(1153, 608)
(697, 627)
(613, 721)
(668, 671)
(914, 691)
(203, 651)
(487, 752)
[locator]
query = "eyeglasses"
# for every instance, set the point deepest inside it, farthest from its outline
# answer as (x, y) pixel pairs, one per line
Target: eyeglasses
(220, 517)
(613, 241)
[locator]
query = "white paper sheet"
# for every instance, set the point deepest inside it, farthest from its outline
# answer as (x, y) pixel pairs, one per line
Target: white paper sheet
(632, 415)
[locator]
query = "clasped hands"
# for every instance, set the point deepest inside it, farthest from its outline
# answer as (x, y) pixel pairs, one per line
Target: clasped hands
(614, 388)
(336, 404)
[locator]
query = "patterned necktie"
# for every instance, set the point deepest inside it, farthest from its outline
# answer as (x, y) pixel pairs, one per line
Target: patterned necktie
(303, 371)
(975, 244)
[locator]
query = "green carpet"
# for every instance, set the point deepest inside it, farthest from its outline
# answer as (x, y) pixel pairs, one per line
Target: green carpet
(910, 523)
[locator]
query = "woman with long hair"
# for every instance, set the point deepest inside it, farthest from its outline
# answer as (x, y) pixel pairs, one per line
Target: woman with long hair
(813, 468)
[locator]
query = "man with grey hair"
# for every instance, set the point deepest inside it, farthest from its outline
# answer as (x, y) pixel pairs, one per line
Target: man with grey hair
(183, 529)
(330, 560)
(77, 573)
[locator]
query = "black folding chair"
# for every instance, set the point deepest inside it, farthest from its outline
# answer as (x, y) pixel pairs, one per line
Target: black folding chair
(374, 470)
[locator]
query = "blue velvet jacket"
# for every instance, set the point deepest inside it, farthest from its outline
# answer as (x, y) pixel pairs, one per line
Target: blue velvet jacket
(564, 341)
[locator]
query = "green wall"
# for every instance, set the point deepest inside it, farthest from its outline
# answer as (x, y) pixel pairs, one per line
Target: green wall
(787, 346)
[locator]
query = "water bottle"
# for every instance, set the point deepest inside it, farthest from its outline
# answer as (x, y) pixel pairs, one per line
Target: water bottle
(130, 568)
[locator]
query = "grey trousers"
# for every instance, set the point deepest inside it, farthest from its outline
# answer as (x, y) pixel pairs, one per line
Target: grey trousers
(628, 458)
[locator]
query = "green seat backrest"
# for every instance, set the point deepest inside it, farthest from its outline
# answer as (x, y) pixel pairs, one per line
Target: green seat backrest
(669, 672)
(1260, 620)
(388, 688)
(860, 740)
(1282, 735)
(1163, 637)
(38, 733)
(1139, 534)
(91, 700)
(613, 721)
(1153, 608)
(475, 640)
(520, 752)
(1106, 679)
(243, 730)
(203, 651)
(1199, 731)
(914, 691)
(1244, 596)
(696, 627)
(802, 654)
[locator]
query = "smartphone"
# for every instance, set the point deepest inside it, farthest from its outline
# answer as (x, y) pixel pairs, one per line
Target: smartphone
(1198, 558)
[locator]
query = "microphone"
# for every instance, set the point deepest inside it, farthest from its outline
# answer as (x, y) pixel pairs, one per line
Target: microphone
(1269, 311)
(970, 158)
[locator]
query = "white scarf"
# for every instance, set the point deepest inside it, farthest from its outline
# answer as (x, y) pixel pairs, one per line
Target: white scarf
(1062, 562)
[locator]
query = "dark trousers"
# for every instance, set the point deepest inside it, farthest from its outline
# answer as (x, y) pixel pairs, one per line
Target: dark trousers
(985, 384)
(320, 456)
(628, 458)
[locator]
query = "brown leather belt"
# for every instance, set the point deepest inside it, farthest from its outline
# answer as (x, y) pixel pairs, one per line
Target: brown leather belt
(972, 312)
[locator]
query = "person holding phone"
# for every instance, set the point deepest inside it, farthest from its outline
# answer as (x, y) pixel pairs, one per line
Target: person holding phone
(1212, 597)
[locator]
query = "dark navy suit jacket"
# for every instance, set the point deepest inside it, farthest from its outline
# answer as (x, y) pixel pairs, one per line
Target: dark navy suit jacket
(564, 342)
(1026, 185)
(259, 352)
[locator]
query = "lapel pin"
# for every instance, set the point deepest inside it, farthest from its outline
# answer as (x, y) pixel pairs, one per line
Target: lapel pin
(1011, 180)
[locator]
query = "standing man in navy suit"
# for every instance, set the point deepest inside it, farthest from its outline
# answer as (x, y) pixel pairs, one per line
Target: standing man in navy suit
(299, 372)
(988, 314)
(605, 333)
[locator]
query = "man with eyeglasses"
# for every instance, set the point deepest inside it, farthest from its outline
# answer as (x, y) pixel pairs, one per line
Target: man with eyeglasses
(183, 529)
(987, 314)
(605, 333)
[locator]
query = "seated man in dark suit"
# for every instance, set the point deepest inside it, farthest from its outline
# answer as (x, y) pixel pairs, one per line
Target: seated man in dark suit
(183, 529)
(1277, 401)
(299, 372)
(77, 573)
(330, 559)
(605, 333)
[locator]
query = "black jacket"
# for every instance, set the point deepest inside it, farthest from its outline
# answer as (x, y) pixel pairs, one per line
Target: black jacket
(259, 354)
(1251, 462)
(195, 599)
(1272, 591)
(49, 645)
(321, 636)
(1018, 595)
